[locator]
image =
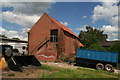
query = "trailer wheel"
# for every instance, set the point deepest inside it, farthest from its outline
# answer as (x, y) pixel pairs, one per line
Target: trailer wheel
(100, 66)
(109, 67)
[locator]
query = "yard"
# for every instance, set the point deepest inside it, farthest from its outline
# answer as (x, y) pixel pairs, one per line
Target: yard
(57, 72)
(53, 71)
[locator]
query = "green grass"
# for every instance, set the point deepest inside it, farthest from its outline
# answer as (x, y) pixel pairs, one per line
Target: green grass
(50, 68)
(58, 72)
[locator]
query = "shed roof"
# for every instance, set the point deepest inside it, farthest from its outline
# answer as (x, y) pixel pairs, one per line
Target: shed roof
(61, 25)
(108, 43)
(12, 40)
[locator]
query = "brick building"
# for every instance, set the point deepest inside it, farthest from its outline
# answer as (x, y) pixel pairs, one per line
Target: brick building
(49, 40)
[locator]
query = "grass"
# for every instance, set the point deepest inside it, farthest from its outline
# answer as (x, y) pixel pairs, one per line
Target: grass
(58, 72)
(50, 68)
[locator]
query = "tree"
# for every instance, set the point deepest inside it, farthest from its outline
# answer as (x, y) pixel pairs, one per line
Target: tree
(96, 46)
(91, 36)
(3, 36)
(16, 38)
(115, 47)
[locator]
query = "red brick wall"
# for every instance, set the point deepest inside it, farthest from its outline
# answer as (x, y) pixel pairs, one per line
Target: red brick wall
(69, 43)
(38, 33)
(49, 52)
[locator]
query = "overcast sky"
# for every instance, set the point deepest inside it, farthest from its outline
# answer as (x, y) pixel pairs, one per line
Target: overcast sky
(19, 17)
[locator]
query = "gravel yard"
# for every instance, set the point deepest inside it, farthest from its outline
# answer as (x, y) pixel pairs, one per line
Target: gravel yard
(65, 65)
(34, 72)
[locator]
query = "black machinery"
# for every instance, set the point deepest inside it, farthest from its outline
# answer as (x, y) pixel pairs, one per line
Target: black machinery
(16, 62)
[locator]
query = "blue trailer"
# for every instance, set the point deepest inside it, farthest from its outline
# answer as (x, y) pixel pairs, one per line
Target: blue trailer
(101, 59)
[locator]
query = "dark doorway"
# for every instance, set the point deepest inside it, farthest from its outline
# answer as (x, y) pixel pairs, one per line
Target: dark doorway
(54, 35)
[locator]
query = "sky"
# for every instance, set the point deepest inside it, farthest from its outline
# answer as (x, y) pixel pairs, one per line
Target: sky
(19, 17)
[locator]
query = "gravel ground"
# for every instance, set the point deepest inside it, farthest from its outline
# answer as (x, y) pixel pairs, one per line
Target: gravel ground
(28, 72)
(65, 65)
(116, 71)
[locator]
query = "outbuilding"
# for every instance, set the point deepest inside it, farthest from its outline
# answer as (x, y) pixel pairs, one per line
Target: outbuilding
(49, 40)
(21, 45)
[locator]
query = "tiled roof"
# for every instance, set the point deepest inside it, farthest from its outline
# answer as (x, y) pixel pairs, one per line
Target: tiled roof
(62, 26)
(80, 44)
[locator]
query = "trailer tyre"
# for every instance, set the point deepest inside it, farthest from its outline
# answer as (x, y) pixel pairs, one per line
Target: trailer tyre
(109, 67)
(100, 66)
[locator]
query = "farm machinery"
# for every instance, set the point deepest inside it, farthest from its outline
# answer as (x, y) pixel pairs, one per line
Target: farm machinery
(15, 62)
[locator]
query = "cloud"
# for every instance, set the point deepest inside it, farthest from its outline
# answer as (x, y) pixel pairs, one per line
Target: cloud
(17, 34)
(84, 17)
(9, 33)
(112, 36)
(24, 14)
(20, 19)
(7, 27)
(28, 8)
(108, 1)
(109, 28)
(111, 31)
(115, 39)
(109, 12)
(2, 30)
(65, 23)
(28, 1)
(83, 28)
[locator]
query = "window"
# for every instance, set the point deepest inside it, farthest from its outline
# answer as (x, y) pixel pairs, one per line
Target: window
(54, 35)
(23, 47)
(15, 50)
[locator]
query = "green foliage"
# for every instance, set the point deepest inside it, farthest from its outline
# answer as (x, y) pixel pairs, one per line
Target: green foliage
(3, 36)
(119, 60)
(115, 47)
(96, 46)
(16, 38)
(91, 36)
